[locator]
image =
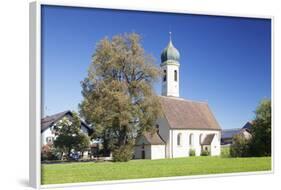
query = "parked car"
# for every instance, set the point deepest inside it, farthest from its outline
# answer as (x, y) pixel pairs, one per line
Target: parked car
(74, 156)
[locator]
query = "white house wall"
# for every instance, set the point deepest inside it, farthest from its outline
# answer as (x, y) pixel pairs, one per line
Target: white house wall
(46, 133)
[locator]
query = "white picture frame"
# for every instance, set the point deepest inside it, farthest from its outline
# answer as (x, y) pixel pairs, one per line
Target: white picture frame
(35, 91)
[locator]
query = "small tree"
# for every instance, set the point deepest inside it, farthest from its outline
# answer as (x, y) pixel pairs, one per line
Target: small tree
(123, 154)
(261, 130)
(70, 136)
(48, 152)
(240, 146)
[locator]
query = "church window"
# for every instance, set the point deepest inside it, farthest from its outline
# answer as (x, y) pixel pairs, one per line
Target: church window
(165, 76)
(191, 139)
(175, 75)
(179, 139)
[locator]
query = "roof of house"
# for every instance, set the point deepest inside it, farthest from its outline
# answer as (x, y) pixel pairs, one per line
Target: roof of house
(229, 133)
(248, 125)
(208, 139)
(186, 114)
(151, 138)
(49, 121)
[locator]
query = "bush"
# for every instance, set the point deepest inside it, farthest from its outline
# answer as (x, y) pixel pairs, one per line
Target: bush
(240, 147)
(123, 153)
(225, 152)
(48, 152)
(205, 153)
(191, 152)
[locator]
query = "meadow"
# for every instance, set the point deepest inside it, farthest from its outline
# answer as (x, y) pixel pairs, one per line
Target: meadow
(135, 169)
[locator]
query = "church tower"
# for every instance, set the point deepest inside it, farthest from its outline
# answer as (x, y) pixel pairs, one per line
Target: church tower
(170, 69)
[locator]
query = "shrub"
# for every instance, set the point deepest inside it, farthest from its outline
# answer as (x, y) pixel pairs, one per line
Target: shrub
(48, 152)
(191, 152)
(240, 147)
(205, 153)
(123, 153)
(225, 152)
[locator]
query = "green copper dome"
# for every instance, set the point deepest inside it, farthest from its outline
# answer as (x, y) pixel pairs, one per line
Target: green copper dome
(170, 53)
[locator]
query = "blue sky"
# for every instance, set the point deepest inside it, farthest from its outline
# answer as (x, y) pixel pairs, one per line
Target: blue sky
(225, 61)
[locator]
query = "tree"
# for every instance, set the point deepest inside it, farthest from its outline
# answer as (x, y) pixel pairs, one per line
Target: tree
(70, 136)
(261, 130)
(118, 96)
(260, 142)
(240, 146)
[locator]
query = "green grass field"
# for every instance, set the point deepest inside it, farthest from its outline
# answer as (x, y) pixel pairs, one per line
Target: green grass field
(90, 171)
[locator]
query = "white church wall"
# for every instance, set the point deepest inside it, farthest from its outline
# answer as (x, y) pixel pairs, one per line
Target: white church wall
(171, 87)
(164, 132)
(183, 149)
(215, 146)
(157, 152)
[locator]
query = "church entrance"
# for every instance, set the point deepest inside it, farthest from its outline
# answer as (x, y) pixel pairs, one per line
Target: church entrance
(142, 154)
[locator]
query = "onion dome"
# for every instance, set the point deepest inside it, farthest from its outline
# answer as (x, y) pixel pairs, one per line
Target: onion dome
(170, 52)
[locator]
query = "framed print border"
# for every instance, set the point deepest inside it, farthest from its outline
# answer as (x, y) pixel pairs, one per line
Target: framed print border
(35, 91)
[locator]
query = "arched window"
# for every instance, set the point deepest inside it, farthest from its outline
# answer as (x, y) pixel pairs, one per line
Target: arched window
(165, 76)
(201, 138)
(175, 75)
(191, 139)
(179, 139)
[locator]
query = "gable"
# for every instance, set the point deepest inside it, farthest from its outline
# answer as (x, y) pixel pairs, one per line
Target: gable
(50, 121)
(185, 114)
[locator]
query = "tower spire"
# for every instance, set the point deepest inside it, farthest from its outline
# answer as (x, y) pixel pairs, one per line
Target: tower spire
(170, 35)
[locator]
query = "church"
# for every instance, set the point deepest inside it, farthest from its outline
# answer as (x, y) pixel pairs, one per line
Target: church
(188, 128)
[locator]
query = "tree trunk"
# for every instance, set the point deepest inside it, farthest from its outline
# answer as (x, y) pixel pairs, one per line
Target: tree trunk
(68, 154)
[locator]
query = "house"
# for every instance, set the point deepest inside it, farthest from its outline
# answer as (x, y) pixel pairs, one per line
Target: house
(186, 125)
(47, 126)
(228, 134)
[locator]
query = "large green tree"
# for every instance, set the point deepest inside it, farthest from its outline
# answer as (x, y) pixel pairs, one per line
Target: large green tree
(261, 130)
(119, 100)
(70, 137)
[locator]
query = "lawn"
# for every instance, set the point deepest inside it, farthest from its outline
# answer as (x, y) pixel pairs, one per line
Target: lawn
(90, 171)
